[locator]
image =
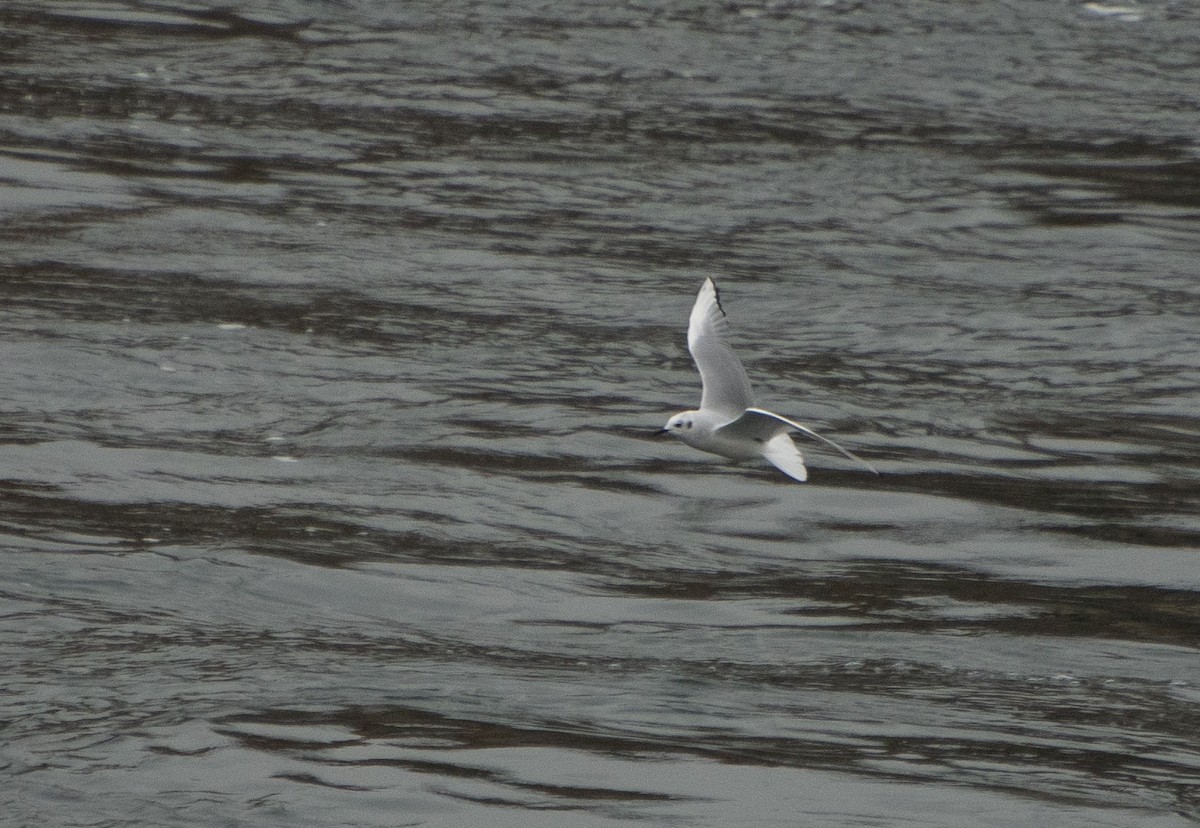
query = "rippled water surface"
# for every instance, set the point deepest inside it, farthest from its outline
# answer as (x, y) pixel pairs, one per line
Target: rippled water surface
(334, 336)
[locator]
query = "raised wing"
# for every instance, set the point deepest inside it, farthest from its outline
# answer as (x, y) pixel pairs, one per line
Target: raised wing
(763, 426)
(726, 386)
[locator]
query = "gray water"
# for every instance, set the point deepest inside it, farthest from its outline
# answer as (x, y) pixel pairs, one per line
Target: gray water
(332, 340)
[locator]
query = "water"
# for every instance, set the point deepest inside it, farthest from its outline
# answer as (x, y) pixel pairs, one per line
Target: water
(334, 336)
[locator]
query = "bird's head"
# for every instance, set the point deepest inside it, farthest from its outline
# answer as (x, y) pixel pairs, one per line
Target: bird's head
(680, 425)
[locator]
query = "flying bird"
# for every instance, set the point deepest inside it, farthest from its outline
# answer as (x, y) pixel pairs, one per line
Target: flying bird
(727, 422)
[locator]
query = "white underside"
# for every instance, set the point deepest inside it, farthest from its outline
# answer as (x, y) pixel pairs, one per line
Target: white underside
(779, 451)
(782, 453)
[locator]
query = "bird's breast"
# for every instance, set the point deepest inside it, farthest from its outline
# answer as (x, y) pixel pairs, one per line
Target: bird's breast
(713, 443)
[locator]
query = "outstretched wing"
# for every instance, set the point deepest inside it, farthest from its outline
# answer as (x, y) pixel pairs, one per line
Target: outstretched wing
(726, 386)
(763, 426)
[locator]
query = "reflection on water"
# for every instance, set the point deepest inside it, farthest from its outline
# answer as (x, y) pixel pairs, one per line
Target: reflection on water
(333, 347)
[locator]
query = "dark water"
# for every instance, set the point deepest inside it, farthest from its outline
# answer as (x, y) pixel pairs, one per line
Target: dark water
(333, 335)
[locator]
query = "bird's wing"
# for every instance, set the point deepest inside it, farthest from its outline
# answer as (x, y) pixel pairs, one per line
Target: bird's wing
(782, 453)
(726, 386)
(763, 426)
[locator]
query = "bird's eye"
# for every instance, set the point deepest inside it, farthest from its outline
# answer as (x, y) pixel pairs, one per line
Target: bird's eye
(688, 424)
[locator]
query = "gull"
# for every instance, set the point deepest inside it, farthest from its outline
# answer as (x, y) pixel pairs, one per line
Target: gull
(727, 422)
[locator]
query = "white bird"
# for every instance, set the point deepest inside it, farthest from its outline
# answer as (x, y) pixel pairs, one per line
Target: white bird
(727, 423)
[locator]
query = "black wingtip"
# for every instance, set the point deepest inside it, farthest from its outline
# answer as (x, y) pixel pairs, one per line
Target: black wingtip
(717, 296)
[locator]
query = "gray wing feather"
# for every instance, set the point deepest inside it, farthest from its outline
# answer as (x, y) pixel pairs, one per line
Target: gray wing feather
(757, 424)
(726, 386)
